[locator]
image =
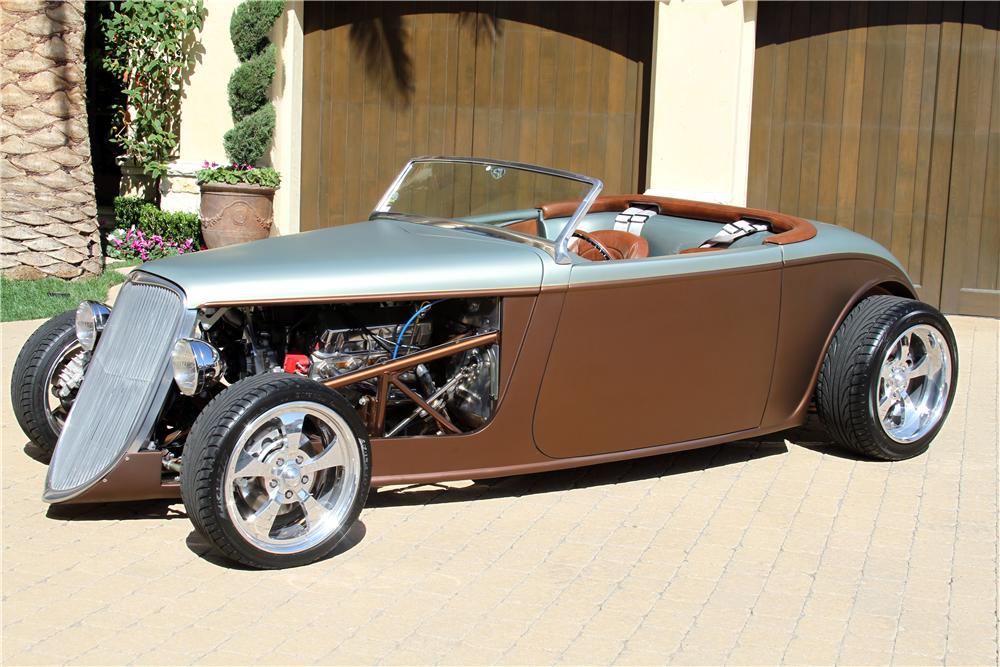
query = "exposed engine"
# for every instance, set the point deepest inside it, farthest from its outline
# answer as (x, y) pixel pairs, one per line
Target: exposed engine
(328, 341)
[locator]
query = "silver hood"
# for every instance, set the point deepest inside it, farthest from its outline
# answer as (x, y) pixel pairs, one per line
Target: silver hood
(374, 258)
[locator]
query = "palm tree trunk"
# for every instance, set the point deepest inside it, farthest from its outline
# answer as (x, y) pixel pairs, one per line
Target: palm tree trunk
(48, 214)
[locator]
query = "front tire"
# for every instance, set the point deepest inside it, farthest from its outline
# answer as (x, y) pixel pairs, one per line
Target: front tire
(46, 377)
(888, 380)
(276, 470)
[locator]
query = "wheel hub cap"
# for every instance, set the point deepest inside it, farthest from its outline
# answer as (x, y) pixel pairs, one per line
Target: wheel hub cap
(292, 477)
(913, 384)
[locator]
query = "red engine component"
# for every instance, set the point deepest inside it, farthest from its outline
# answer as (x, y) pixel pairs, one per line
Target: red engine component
(297, 363)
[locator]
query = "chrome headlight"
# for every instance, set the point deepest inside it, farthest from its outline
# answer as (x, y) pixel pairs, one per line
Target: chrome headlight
(196, 364)
(90, 320)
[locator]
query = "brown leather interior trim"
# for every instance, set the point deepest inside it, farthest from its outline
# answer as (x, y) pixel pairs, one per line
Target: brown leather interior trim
(137, 476)
(691, 251)
(618, 244)
(787, 228)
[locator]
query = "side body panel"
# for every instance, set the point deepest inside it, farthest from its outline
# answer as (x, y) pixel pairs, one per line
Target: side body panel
(817, 294)
(665, 359)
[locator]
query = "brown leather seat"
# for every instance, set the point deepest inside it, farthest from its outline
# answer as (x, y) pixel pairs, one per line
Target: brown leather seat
(620, 245)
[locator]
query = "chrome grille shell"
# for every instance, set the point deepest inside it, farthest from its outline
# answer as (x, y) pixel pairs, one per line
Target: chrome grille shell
(124, 388)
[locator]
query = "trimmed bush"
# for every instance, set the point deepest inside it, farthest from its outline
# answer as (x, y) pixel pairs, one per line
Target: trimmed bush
(169, 225)
(250, 25)
(251, 82)
(249, 85)
(127, 211)
(250, 138)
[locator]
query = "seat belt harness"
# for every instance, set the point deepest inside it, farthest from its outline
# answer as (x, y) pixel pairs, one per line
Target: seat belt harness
(734, 231)
(633, 218)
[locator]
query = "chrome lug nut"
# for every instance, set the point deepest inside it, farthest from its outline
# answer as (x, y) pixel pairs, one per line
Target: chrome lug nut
(305, 479)
(288, 494)
(273, 483)
(280, 462)
(298, 459)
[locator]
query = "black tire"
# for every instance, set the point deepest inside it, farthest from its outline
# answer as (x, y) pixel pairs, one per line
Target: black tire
(210, 444)
(849, 378)
(29, 393)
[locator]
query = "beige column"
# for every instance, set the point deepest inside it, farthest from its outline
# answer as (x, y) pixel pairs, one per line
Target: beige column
(702, 84)
(205, 115)
(286, 92)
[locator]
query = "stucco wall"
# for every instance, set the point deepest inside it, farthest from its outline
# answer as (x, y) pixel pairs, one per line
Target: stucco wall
(205, 115)
(702, 82)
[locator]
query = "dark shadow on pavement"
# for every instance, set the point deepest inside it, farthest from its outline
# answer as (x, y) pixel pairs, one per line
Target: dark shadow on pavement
(664, 465)
(201, 548)
(124, 511)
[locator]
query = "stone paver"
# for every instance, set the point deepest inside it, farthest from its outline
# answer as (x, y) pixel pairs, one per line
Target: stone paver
(749, 553)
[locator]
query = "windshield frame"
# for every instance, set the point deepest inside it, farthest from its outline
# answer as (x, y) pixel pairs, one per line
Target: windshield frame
(562, 253)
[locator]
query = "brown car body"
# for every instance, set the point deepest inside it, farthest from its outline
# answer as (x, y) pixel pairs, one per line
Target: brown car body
(740, 355)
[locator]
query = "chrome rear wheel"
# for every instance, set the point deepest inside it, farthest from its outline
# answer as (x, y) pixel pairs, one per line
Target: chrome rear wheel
(914, 383)
(888, 378)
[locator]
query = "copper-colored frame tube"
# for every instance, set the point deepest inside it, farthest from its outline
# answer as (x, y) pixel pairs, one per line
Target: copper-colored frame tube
(411, 360)
(387, 372)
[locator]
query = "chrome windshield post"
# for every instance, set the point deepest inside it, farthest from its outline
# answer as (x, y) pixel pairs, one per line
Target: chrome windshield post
(562, 241)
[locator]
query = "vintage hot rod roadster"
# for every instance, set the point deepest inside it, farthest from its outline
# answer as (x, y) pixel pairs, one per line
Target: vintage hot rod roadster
(490, 318)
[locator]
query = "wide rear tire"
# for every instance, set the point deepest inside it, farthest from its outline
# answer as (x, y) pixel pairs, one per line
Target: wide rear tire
(888, 380)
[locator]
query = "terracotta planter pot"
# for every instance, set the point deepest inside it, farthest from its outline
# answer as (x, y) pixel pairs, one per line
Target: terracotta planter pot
(233, 214)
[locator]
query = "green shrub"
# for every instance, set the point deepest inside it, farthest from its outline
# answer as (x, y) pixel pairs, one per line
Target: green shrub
(265, 176)
(250, 25)
(250, 138)
(127, 211)
(169, 225)
(251, 82)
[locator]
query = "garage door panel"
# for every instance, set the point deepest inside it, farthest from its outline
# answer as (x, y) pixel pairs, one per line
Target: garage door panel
(880, 117)
(525, 81)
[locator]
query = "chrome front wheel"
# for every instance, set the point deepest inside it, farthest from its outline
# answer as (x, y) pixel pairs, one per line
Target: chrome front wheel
(276, 470)
(47, 374)
(63, 381)
(292, 478)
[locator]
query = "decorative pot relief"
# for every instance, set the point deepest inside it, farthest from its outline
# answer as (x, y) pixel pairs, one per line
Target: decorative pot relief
(240, 214)
(235, 213)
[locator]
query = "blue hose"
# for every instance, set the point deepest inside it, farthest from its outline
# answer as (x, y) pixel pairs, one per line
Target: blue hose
(402, 332)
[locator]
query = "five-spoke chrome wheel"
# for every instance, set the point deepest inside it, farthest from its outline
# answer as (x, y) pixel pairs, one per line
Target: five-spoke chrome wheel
(914, 383)
(888, 378)
(293, 477)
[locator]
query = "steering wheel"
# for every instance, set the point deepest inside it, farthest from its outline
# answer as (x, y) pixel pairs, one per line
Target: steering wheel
(594, 242)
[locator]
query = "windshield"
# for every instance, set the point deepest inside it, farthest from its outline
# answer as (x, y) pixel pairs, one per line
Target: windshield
(491, 192)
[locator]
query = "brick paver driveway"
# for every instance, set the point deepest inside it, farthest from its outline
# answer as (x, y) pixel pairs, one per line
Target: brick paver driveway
(754, 552)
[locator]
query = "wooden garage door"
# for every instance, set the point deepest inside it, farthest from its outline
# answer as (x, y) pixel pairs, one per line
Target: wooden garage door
(883, 117)
(558, 84)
